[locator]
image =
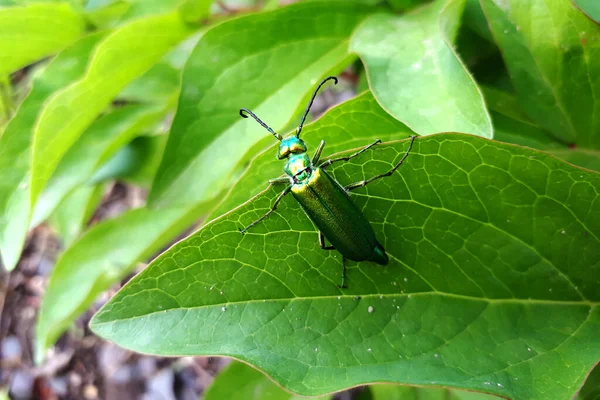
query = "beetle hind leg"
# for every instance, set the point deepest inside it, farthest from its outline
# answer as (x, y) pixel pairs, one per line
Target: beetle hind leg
(268, 213)
(343, 285)
(322, 245)
(388, 173)
(322, 242)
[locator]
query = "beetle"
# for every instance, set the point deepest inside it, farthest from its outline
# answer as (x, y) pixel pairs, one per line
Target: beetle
(326, 203)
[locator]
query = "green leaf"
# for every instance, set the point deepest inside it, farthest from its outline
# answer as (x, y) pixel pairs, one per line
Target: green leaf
(239, 381)
(70, 111)
(591, 8)
(30, 33)
(403, 5)
(73, 213)
(394, 392)
(474, 18)
(159, 85)
(136, 163)
(416, 75)
(99, 259)
(15, 145)
(148, 150)
(195, 10)
(6, 101)
(492, 284)
(553, 54)
(116, 12)
(96, 146)
(513, 126)
(269, 62)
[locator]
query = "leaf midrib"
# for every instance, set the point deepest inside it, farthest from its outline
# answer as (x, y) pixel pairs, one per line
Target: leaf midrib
(357, 297)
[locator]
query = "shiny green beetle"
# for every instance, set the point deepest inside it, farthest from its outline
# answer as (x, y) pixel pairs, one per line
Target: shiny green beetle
(323, 199)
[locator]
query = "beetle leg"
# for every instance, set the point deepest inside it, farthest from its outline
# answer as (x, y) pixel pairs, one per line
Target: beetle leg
(318, 151)
(390, 172)
(322, 242)
(327, 163)
(343, 285)
(273, 208)
(279, 181)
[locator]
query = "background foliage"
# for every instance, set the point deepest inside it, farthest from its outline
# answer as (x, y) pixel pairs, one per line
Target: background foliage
(494, 244)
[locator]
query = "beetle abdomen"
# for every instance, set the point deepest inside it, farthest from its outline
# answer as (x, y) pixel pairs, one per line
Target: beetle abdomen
(332, 211)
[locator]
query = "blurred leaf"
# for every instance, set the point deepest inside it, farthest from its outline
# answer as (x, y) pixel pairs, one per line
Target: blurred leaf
(352, 124)
(69, 112)
(591, 388)
(415, 74)
(73, 213)
(395, 392)
(195, 10)
(591, 8)
(159, 85)
(553, 54)
(239, 381)
(30, 33)
(110, 13)
(269, 62)
(15, 145)
(99, 259)
(474, 18)
(150, 150)
(513, 126)
(403, 5)
(6, 102)
(95, 147)
(136, 163)
(180, 54)
(494, 253)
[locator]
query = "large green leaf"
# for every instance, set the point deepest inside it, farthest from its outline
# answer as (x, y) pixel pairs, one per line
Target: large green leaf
(124, 55)
(32, 32)
(268, 62)
(492, 284)
(239, 381)
(416, 75)
(15, 145)
(96, 146)
(101, 257)
(553, 54)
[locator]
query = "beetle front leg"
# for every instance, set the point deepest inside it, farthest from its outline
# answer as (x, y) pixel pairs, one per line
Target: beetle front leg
(327, 163)
(273, 208)
(279, 181)
(318, 151)
(390, 172)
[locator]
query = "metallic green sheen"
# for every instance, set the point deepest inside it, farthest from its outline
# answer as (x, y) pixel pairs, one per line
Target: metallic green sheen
(330, 208)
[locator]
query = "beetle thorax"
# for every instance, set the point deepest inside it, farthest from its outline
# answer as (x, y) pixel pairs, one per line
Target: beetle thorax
(298, 167)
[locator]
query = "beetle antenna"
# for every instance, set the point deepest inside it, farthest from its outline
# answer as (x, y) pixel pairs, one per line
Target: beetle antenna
(242, 110)
(311, 102)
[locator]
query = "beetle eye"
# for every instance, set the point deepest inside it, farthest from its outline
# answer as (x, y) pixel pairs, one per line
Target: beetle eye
(298, 148)
(283, 152)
